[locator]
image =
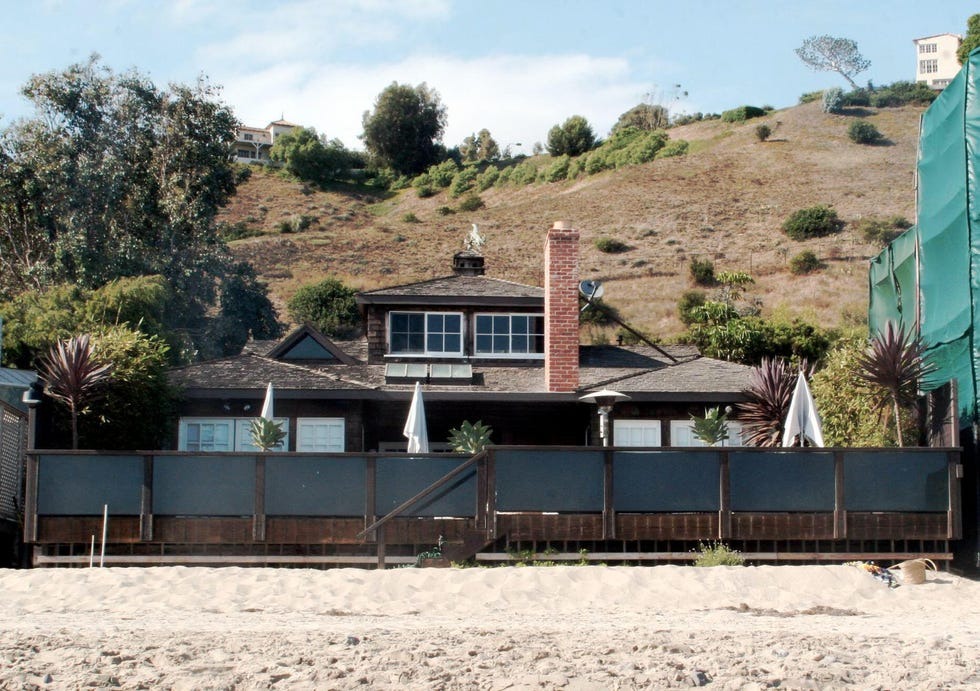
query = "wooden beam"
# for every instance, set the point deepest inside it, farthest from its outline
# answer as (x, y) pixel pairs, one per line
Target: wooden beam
(840, 513)
(381, 547)
(216, 559)
(749, 556)
(724, 497)
(954, 515)
(608, 509)
(146, 500)
(258, 519)
(30, 499)
(370, 496)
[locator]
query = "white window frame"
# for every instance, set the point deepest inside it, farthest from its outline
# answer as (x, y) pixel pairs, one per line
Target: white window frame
(683, 428)
(239, 436)
(928, 66)
(622, 428)
(425, 335)
(510, 354)
(305, 423)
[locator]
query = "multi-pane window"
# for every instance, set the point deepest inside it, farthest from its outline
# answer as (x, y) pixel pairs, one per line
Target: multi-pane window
(928, 66)
(682, 434)
(323, 434)
(636, 432)
(249, 137)
(928, 47)
(425, 333)
(509, 334)
(243, 435)
(206, 435)
(245, 153)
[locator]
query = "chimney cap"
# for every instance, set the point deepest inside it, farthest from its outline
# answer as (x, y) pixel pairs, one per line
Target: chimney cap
(562, 225)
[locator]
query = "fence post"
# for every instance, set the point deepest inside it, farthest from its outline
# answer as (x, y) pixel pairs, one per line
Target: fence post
(370, 494)
(840, 513)
(608, 509)
(954, 515)
(724, 498)
(30, 498)
(258, 520)
(146, 500)
(492, 495)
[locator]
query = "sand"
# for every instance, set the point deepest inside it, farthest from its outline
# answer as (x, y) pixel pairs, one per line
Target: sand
(594, 627)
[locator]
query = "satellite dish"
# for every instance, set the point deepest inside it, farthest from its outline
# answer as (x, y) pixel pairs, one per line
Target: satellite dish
(591, 290)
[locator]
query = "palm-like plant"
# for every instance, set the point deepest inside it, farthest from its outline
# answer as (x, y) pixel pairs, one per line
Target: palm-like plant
(713, 427)
(72, 375)
(266, 434)
(770, 392)
(895, 362)
(470, 438)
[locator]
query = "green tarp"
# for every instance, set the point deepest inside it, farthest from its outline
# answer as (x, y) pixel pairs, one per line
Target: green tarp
(932, 272)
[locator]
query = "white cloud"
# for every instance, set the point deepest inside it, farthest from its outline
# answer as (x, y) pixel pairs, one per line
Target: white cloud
(517, 97)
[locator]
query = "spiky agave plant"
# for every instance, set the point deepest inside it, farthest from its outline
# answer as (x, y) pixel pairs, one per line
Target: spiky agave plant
(770, 392)
(895, 362)
(73, 375)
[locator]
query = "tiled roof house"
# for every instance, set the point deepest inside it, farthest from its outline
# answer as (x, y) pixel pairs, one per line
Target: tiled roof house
(483, 348)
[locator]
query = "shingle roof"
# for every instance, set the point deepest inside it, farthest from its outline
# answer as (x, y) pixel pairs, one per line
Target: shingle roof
(456, 286)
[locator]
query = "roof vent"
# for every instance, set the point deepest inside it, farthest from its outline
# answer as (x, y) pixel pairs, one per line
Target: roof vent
(468, 263)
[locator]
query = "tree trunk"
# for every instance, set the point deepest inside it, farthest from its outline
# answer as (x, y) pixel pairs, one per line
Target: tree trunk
(898, 421)
(74, 428)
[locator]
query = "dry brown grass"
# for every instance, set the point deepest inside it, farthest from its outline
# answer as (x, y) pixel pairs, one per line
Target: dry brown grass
(725, 201)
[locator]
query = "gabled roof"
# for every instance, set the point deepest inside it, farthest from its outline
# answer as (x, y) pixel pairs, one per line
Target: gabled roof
(245, 372)
(281, 123)
(457, 289)
(287, 348)
(923, 38)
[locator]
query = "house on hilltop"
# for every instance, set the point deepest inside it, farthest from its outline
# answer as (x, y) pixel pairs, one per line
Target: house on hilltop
(482, 348)
(252, 144)
(936, 62)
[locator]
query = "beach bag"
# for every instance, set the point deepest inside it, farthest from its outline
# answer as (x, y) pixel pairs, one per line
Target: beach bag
(914, 570)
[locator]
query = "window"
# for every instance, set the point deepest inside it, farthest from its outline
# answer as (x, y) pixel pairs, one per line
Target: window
(682, 434)
(206, 435)
(324, 434)
(928, 47)
(245, 153)
(928, 66)
(425, 333)
(636, 432)
(509, 334)
(248, 137)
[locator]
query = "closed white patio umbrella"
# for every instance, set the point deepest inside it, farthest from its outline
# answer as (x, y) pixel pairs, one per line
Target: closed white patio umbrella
(802, 419)
(415, 430)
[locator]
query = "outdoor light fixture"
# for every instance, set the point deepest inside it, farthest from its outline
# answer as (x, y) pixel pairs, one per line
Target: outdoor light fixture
(605, 399)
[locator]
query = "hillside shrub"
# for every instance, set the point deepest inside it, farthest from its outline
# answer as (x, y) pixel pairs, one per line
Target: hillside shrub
(742, 113)
(463, 181)
(424, 187)
(810, 97)
(804, 263)
(558, 170)
(573, 137)
(864, 132)
(610, 245)
(858, 98)
(703, 272)
(677, 147)
(445, 211)
(295, 224)
(524, 174)
(833, 100)
(762, 132)
(717, 554)
(812, 222)
(576, 167)
(236, 231)
(503, 177)
(442, 174)
(597, 162)
(471, 202)
(689, 300)
(487, 178)
(881, 231)
(329, 305)
(902, 93)
(687, 119)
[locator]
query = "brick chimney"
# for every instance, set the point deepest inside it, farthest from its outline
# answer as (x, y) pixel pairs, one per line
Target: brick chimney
(561, 308)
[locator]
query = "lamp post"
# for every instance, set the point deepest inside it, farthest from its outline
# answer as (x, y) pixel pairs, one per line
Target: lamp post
(605, 400)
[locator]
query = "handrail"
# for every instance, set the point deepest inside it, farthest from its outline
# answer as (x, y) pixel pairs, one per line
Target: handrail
(445, 479)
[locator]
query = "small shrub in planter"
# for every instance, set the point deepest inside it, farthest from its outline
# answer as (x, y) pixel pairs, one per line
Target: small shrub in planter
(804, 263)
(703, 272)
(864, 132)
(762, 132)
(610, 245)
(812, 222)
(471, 202)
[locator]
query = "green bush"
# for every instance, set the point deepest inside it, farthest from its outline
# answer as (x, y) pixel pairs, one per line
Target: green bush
(858, 98)
(689, 300)
(445, 211)
(573, 137)
(524, 174)
(811, 96)
(864, 132)
(597, 162)
(833, 100)
(424, 187)
(504, 176)
(762, 132)
(463, 181)
(742, 113)
(487, 178)
(717, 554)
(813, 222)
(881, 231)
(410, 218)
(471, 202)
(677, 147)
(610, 245)
(295, 224)
(443, 173)
(236, 231)
(903, 93)
(703, 272)
(329, 305)
(803, 263)
(558, 170)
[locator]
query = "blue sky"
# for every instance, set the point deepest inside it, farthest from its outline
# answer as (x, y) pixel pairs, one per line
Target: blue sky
(513, 67)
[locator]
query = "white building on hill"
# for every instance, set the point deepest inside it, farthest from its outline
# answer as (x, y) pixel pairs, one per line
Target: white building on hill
(253, 143)
(936, 62)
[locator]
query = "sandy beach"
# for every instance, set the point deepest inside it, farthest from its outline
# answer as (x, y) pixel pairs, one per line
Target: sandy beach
(795, 627)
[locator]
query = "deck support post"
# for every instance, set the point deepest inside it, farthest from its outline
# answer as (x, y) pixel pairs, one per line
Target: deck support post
(258, 520)
(146, 501)
(608, 509)
(840, 513)
(370, 493)
(381, 547)
(724, 498)
(30, 499)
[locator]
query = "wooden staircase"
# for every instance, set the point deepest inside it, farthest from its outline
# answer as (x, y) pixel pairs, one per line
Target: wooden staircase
(473, 541)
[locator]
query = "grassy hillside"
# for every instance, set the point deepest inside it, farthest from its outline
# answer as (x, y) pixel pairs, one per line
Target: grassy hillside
(724, 201)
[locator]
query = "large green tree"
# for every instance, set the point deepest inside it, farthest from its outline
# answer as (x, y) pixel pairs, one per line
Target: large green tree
(971, 40)
(114, 177)
(479, 147)
(404, 129)
(311, 157)
(573, 137)
(329, 305)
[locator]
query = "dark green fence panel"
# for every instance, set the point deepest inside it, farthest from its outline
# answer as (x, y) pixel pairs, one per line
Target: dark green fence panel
(549, 480)
(402, 477)
(781, 481)
(887, 481)
(315, 486)
(82, 485)
(204, 485)
(652, 481)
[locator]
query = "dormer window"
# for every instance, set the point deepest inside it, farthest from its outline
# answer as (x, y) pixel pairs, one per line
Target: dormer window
(425, 333)
(509, 334)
